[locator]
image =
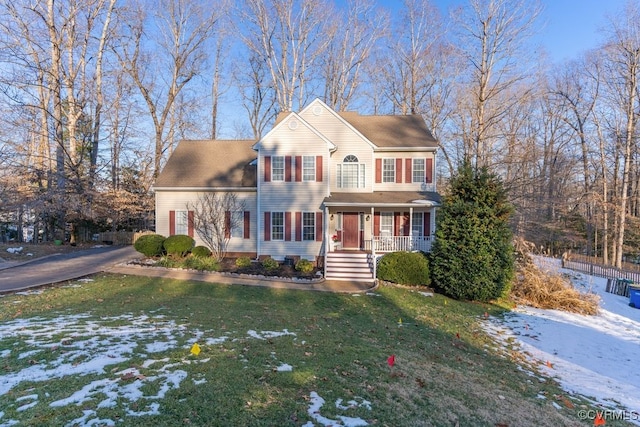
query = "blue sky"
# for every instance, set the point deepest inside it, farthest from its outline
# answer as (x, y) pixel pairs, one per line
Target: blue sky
(567, 27)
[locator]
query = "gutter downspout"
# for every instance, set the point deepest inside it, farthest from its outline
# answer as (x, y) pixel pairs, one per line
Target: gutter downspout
(258, 213)
(325, 225)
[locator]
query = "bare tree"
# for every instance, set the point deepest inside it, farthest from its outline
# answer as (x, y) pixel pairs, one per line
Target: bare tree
(622, 62)
(258, 97)
(491, 38)
(214, 217)
(289, 36)
(162, 60)
(352, 41)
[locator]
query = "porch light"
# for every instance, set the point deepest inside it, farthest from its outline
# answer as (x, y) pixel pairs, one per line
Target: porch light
(331, 217)
(368, 217)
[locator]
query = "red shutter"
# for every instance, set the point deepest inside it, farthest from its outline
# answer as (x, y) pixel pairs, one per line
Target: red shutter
(287, 168)
(190, 222)
(227, 224)
(319, 226)
(376, 224)
(405, 224)
(408, 171)
(398, 171)
(287, 226)
(267, 226)
(172, 223)
(426, 224)
(247, 224)
(396, 223)
(298, 168)
(319, 168)
(298, 226)
(267, 168)
(378, 170)
(428, 171)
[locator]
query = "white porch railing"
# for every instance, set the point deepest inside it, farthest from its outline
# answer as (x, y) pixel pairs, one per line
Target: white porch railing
(399, 243)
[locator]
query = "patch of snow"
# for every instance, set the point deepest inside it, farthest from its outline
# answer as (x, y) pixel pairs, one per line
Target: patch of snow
(284, 368)
(15, 250)
(80, 345)
(318, 402)
(263, 335)
(593, 356)
(426, 294)
(215, 341)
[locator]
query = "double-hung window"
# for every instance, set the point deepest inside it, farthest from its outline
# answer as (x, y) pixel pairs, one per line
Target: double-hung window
(308, 168)
(386, 224)
(308, 226)
(417, 224)
(277, 225)
(418, 170)
(237, 224)
(388, 170)
(182, 222)
(277, 168)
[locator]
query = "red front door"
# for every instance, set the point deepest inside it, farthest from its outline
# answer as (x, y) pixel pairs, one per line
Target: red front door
(350, 230)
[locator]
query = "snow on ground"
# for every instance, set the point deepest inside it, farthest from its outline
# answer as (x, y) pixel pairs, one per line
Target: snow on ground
(76, 346)
(594, 356)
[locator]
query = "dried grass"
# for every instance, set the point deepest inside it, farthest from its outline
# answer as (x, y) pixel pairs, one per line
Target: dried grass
(548, 290)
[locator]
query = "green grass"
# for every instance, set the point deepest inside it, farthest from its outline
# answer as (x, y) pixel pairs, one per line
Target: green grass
(339, 350)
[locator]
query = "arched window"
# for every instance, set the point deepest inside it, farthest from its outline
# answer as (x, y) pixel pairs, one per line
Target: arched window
(350, 173)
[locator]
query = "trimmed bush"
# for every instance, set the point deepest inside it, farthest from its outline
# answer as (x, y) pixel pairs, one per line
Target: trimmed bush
(243, 262)
(304, 266)
(270, 264)
(406, 268)
(201, 252)
(150, 245)
(179, 244)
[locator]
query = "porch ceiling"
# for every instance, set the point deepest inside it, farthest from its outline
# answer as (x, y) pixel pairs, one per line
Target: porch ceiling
(384, 198)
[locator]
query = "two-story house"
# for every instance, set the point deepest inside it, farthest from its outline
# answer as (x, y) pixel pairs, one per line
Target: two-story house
(334, 188)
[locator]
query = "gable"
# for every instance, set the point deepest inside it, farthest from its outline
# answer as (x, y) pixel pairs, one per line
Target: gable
(210, 163)
(292, 131)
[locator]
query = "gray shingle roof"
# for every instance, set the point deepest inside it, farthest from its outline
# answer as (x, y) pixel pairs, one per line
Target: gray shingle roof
(210, 163)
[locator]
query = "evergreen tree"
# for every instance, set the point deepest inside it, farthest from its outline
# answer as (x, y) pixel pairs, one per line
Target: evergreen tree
(472, 257)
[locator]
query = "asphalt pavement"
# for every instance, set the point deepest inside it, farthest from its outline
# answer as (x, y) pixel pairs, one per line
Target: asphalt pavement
(74, 265)
(62, 267)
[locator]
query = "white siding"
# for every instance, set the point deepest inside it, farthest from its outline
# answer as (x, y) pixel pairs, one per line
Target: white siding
(404, 186)
(347, 141)
(178, 200)
(293, 196)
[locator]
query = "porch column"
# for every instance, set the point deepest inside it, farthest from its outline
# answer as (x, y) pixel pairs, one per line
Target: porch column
(325, 228)
(411, 221)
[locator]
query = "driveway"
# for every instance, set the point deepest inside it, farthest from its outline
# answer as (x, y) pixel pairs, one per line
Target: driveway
(62, 267)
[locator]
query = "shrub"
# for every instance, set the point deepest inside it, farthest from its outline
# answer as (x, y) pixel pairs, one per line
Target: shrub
(270, 264)
(304, 265)
(407, 268)
(201, 263)
(243, 262)
(150, 245)
(201, 252)
(179, 244)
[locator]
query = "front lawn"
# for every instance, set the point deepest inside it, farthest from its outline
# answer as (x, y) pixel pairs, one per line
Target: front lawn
(119, 350)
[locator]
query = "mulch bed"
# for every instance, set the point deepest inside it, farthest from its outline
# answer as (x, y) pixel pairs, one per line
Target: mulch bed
(228, 265)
